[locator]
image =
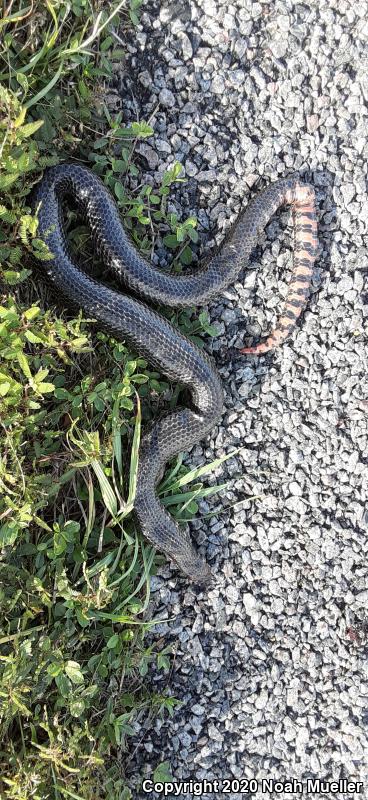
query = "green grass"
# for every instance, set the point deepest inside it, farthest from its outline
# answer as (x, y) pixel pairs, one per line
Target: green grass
(74, 571)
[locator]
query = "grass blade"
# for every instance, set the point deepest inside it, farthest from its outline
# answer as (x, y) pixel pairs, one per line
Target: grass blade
(132, 564)
(16, 17)
(144, 577)
(197, 472)
(166, 482)
(46, 89)
(133, 474)
(107, 492)
(116, 438)
(200, 492)
(97, 30)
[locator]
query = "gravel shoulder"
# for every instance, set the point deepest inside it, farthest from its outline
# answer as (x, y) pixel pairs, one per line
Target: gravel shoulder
(271, 662)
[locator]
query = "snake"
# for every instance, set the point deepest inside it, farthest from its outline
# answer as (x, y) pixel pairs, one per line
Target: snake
(128, 317)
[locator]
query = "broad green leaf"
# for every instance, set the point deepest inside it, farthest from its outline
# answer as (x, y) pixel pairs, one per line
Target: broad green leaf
(23, 363)
(119, 190)
(7, 180)
(142, 130)
(45, 388)
(4, 388)
(23, 81)
(77, 707)
(8, 533)
(73, 671)
(33, 338)
(32, 312)
(29, 129)
(113, 641)
(63, 684)
(162, 773)
(130, 367)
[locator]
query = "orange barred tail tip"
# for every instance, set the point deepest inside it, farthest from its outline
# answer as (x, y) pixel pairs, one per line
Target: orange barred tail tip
(302, 200)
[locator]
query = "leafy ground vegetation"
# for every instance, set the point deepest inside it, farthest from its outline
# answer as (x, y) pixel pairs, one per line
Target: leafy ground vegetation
(74, 573)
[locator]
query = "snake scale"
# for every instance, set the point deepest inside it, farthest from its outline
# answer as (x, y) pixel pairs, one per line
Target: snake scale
(155, 338)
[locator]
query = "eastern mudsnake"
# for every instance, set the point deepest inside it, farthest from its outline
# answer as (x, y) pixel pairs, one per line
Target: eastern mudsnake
(151, 335)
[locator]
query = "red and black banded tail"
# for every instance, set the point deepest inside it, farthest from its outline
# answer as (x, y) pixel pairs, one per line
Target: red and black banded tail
(302, 200)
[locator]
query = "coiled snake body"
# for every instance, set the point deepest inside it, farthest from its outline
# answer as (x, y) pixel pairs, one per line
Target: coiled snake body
(151, 335)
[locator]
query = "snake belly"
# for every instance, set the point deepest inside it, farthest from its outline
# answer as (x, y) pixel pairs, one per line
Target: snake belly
(150, 334)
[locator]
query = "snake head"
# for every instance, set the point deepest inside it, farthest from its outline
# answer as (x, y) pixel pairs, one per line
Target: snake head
(188, 560)
(197, 570)
(200, 573)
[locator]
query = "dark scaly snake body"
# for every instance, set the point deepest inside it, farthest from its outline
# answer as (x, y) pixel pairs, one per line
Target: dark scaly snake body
(151, 335)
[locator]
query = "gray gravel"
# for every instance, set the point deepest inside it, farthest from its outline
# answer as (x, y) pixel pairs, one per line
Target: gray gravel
(270, 663)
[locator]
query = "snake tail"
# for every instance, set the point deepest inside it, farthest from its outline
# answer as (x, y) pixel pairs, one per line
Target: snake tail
(302, 200)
